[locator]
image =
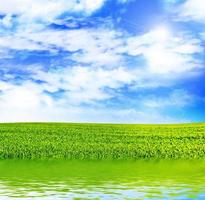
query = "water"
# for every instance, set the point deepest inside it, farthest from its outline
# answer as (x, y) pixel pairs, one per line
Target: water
(53, 180)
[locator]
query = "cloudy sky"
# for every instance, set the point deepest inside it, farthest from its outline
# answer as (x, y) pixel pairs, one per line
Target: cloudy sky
(122, 61)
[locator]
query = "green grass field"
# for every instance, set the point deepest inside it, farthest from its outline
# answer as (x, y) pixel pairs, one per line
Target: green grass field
(101, 141)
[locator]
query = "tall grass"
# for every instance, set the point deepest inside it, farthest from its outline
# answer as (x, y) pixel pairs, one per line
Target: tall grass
(101, 141)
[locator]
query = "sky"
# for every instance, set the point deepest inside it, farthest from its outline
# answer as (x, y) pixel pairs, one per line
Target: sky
(116, 61)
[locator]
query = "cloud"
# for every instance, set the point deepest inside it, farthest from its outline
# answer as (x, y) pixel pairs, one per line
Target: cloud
(178, 98)
(84, 91)
(55, 114)
(99, 66)
(6, 21)
(26, 95)
(32, 105)
(101, 57)
(18, 43)
(84, 84)
(124, 1)
(101, 48)
(47, 10)
(192, 10)
(164, 51)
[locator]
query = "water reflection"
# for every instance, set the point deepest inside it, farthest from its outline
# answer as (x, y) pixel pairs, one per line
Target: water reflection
(102, 180)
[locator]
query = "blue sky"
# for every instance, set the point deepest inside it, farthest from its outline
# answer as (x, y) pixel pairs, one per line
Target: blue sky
(120, 61)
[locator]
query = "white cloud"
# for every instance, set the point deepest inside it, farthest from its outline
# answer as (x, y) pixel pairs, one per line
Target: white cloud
(202, 35)
(19, 43)
(28, 95)
(91, 45)
(124, 1)
(29, 102)
(47, 10)
(6, 21)
(55, 114)
(106, 71)
(31, 105)
(192, 10)
(177, 98)
(168, 56)
(164, 51)
(90, 5)
(102, 66)
(163, 59)
(85, 84)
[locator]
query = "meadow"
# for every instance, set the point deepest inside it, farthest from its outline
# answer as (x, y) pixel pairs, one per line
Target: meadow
(101, 141)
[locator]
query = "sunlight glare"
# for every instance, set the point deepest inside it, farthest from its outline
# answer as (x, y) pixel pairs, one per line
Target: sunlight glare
(161, 33)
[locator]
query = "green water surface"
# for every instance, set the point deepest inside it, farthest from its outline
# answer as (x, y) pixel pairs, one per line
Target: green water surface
(20, 179)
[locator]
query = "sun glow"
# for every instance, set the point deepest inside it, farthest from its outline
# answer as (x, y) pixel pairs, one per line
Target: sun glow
(161, 33)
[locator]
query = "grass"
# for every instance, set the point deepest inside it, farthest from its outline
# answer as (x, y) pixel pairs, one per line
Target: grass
(101, 141)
